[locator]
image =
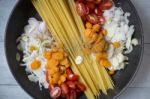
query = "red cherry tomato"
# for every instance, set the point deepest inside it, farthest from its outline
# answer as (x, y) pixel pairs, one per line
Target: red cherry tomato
(91, 6)
(71, 84)
(81, 9)
(98, 12)
(69, 71)
(98, 1)
(90, 0)
(64, 88)
(55, 92)
(81, 86)
(72, 77)
(106, 5)
(92, 18)
(73, 94)
(87, 10)
(102, 20)
(51, 87)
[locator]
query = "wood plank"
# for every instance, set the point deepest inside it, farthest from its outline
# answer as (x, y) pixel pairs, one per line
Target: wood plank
(143, 9)
(13, 92)
(135, 93)
(6, 7)
(6, 76)
(143, 76)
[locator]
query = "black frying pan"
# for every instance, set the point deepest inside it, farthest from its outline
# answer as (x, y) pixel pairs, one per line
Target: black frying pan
(18, 19)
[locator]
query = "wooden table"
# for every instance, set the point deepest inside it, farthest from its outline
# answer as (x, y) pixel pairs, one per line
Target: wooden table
(139, 89)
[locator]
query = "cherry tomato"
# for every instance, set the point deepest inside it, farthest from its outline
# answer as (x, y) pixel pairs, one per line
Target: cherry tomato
(73, 94)
(87, 10)
(69, 71)
(102, 20)
(92, 18)
(98, 1)
(50, 87)
(64, 88)
(98, 12)
(90, 0)
(71, 84)
(55, 92)
(106, 5)
(81, 9)
(81, 86)
(73, 77)
(91, 6)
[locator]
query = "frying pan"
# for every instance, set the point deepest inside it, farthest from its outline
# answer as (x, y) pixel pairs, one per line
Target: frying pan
(18, 19)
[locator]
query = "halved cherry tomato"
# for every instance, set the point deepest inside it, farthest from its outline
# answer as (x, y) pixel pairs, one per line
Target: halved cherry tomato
(107, 4)
(64, 88)
(101, 20)
(90, 0)
(81, 9)
(81, 86)
(98, 12)
(71, 84)
(72, 77)
(73, 94)
(55, 92)
(87, 10)
(91, 6)
(98, 1)
(92, 18)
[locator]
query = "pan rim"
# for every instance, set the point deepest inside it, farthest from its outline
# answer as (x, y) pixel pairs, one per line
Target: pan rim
(122, 90)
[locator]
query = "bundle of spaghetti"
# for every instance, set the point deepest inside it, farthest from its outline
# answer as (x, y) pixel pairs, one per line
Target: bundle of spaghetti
(104, 75)
(65, 28)
(38, 6)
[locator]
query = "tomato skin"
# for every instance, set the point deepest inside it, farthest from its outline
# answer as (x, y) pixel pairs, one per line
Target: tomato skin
(73, 77)
(90, 0)
(55, 92)
(92, 18)
(69, 71)
(98, 12)
(98, 1)
(107, 4)
(64, 88)
(73, 94)
(81, 9)
(71, 84)
(91, 6)
(102, 20)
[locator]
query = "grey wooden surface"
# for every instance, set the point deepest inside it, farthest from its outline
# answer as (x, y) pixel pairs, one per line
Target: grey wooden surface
(139, 88)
